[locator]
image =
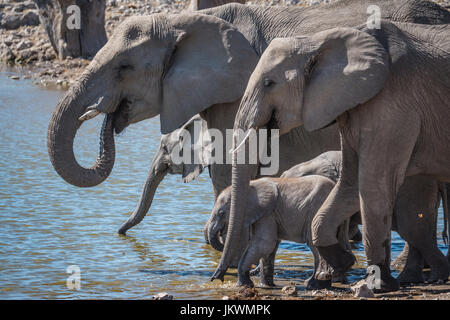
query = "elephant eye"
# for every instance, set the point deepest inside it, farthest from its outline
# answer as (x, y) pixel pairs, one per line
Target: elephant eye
(165, 150)
(124, 67)
(221, 212)
(268, 83)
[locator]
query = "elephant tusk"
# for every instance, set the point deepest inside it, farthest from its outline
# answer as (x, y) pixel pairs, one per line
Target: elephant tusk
(89, 115)
(243, 141)
(92, 111)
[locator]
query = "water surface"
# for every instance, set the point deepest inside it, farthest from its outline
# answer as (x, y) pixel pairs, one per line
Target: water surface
(49, 225)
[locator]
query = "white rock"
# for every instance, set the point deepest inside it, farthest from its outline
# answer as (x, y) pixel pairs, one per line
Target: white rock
(361, 290)
(290, 291)
(162, 296)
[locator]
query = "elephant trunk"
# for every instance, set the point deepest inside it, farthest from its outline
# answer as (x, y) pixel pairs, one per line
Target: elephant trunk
(241, 175)
(214, 236)
(154, 178)
(62, 129)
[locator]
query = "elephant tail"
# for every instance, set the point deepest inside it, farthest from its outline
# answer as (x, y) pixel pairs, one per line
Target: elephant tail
(444, 194)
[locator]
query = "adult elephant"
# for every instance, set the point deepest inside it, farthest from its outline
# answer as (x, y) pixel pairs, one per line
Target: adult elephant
(387, 134)
(177, 66)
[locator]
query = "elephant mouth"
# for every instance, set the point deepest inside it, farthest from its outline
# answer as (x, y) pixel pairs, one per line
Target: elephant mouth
(121, 116)
(222, 235)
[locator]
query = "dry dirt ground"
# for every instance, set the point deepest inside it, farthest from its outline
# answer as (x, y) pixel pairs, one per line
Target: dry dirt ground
(341, 292)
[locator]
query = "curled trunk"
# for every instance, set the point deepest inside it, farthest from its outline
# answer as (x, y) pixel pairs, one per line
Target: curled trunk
(63, 127)
(154, 178)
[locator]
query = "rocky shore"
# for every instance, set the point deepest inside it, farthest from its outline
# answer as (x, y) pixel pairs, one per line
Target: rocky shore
(23, 41)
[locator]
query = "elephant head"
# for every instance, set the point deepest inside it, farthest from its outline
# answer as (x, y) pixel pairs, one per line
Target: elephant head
(306, 81)
(192, 137)
(174, 66)
(261, 201)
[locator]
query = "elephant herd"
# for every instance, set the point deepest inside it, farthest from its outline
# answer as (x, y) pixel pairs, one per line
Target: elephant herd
(362, 114)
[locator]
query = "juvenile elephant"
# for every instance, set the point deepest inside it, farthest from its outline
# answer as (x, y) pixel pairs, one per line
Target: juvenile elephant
(163, 163)
(419, 231)
(388, 90)
(277, 209)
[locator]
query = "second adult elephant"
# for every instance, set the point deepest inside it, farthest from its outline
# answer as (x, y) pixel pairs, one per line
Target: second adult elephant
(359, 78)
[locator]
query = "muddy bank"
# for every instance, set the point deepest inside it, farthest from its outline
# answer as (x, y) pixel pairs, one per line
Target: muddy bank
(283, 291)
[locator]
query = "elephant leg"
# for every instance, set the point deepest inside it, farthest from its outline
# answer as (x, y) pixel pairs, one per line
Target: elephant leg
(262, 244)
(413, 269)
(400, 262)
(344, 241)
(315, 284)
(416, 214)
(354, 233)
(267, 265)
(340, 205)
(377, 239)
(377, 196)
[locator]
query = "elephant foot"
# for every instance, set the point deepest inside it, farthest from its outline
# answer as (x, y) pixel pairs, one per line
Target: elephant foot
(339, 259)
(244, 280)
(315, 284)
(245, 283)
(410, 276)
(388, 285)
(339, 278)
(438, 276)
(387, 282)
(266, 283)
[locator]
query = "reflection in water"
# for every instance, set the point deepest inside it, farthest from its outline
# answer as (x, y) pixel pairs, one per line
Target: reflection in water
(49, 225)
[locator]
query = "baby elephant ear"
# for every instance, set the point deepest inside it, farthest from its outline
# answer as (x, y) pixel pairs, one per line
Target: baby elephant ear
(197, 129)
(263, 197)
(348, 68)
(211, 64)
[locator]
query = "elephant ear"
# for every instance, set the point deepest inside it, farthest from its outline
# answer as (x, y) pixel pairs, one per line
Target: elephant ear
(348, 68)
(263, 197)
(211, 64)
(197, 129)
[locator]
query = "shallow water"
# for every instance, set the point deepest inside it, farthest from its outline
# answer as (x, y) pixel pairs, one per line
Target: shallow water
(48, 225)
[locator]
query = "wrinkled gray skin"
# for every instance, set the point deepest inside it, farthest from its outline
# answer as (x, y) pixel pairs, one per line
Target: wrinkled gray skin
(163, 163)
(419, 232)
(363, 79)
(195, 5)
(277, 209)
(162, 65)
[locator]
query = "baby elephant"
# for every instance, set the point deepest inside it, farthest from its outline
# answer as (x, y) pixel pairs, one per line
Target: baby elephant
(277, 209)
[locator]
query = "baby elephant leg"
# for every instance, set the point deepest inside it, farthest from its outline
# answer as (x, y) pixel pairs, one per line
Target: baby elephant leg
(313, 283)
(263, 243)
(267, 265)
